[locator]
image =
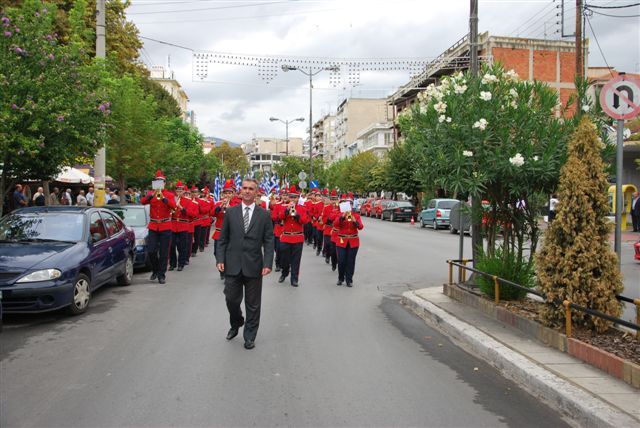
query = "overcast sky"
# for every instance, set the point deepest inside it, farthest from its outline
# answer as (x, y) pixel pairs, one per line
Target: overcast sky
(234, 103)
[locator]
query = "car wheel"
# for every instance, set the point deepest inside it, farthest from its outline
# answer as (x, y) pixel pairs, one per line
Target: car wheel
(127, 275)
(81, 295)
(435, 225)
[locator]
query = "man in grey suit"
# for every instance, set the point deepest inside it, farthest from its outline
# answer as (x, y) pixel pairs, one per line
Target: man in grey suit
(245, 255)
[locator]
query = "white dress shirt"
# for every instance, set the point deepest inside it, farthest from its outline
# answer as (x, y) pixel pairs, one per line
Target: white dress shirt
(251, 208)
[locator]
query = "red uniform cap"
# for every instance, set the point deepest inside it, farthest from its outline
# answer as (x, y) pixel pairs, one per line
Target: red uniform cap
(334, 194)
(160, 175)
(343, 197)
(350, 195)
(194, 188)
(179, 185)
(229, 186)
(325, 191)
(205, 190)
(293, 190)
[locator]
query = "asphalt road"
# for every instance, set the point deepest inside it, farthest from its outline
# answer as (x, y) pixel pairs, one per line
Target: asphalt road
(152, 355)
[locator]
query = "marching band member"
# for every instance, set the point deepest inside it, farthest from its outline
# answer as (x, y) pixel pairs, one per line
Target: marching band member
(347, 243)
(181, 218)
(294, 217)
(161, 203)
(281, 201)
(228, 191)
(328, 215)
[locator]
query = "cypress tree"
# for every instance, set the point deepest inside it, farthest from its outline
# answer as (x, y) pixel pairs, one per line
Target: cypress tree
(576, 262)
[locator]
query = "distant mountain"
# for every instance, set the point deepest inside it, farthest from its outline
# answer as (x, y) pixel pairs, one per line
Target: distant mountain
(218, 141)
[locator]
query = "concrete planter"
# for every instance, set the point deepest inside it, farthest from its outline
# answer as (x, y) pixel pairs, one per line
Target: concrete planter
(605, 361)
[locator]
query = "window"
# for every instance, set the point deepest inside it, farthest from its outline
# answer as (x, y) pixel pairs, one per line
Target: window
(110, 223)
(96, 227)
(432, 204)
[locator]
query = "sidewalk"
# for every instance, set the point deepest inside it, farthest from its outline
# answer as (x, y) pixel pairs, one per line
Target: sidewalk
(585, 394)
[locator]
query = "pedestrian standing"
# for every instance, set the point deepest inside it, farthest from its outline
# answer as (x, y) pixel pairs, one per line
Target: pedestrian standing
(81, 200)
(19, 199)
(635, 211)
(90, 196)
(53, 197)
(347, 243)
(553, 202)
(293, 217)
(38, 198)
(245, 255)
(161, 203)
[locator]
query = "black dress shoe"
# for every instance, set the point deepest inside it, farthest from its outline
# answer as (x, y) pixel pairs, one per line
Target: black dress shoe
(294, 283)
(282, 278)
(153, 277)
(233, 332)
(180, 268)
(349, 284)
(278, 268)
(249, 344)
(172, 267)
(339, 282)
(161, 279)
(333, 268)
(326, 260)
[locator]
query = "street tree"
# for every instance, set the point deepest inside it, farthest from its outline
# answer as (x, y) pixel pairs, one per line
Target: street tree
(232, 159)
(494, 137)
(135, 136)
(52, 107)
(401, 172)
(576, 262)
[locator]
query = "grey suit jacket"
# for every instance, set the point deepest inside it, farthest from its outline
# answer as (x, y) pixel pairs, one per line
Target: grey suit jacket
(249, 252)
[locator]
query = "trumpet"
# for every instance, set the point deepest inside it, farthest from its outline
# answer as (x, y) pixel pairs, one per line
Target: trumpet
(292, 210)
(349, 216)
(158, 194)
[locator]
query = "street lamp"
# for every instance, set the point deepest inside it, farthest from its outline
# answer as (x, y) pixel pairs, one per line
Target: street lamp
(310, 73)
(286, 124)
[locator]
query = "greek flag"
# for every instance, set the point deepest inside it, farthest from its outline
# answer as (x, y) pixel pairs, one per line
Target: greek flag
(275, 184)
(216, 188)
(238, 180)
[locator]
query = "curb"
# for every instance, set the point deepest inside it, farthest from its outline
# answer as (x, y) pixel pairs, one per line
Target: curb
(565, 397)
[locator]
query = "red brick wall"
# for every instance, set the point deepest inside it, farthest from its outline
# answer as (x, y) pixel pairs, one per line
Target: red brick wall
(544, 66)
(567, 66)
(564, 97)
(516, 59)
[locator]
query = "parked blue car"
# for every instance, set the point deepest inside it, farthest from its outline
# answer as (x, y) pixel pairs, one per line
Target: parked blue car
(55, 257)
(137, 218)
(437, 213)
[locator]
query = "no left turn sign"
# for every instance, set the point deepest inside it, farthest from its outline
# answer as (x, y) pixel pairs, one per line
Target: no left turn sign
(620, 97)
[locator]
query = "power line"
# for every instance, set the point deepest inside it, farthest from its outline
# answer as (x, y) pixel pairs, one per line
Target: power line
(166, 43)
(206, 8)
(598, 43)
(611, 7)
(613, 16)
(517, 29)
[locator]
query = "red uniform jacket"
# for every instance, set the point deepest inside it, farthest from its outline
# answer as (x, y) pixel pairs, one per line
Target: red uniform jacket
(277, 224)
(293, 227)
(181, 219)
(205, 211)
(327, 218)
(348, 230)
(160, 210)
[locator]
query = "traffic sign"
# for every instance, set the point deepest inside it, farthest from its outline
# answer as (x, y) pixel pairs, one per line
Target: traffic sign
(620, 97)
(302, 184)
(302, 175)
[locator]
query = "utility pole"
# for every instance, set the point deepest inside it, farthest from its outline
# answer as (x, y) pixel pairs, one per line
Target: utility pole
(579, 48)
(476, 202)
(99, 163)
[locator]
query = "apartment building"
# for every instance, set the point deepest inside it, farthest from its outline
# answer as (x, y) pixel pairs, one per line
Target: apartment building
(377, 138)
(263, 152)
(167, 80)
(549, 61)
(353, 116)
(324, 137)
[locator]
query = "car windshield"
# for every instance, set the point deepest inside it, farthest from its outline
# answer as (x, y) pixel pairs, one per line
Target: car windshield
(446, 205)
(42, 227)
(132, 217)
(402, 204)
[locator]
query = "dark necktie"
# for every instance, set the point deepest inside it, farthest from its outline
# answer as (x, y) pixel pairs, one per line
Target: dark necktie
(246, 219)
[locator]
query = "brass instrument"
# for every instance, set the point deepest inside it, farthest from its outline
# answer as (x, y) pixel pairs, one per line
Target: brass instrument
(349, 216)
(292, 210)
(158, 194)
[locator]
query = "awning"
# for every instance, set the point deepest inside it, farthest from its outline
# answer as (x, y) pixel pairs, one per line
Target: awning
(72, 175)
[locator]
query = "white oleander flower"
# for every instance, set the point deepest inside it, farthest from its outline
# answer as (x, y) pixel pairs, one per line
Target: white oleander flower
(440, 107)
(586, 108)
(448, 119)
(513, 104)
(489, 78)
(442, 118)
(481, 124)
(517, 160)
(485, 96)
(467, 153)
(513, 93)
(459, 89)
(535, 158)
(511, 75)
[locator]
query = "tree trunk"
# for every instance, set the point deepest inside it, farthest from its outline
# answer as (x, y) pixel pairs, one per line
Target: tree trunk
(123, 198)
(45, 186)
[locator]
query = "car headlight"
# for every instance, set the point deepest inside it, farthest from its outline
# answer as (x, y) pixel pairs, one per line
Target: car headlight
(41, 275)
(140, 242)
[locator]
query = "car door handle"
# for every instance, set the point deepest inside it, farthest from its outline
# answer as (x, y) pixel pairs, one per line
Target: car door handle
(110, 249)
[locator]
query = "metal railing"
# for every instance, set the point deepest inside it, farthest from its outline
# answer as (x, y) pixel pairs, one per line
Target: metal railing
(497, 281)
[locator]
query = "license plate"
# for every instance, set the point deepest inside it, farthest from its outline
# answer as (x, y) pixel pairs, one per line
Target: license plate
(407, 210)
